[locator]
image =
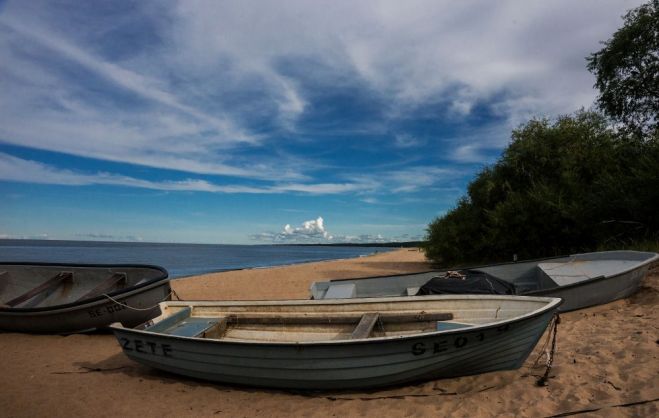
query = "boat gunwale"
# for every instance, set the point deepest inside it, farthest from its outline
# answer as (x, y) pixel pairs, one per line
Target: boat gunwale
(552, 303)
(125, 292)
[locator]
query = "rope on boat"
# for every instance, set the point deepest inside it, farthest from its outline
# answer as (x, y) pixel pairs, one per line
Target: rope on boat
(544, 351)
(553, 330)
(172, 292)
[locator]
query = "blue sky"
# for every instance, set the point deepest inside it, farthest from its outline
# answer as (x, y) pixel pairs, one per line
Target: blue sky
(259, 122)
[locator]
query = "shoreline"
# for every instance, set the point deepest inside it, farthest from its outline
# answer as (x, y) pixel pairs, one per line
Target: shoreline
(606, 361)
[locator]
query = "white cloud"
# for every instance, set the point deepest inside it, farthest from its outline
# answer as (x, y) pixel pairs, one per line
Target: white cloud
(415, 178)
(478, 146)
(322, 188)
(314, 231)
(364, 238)
(28, 171)
(124, 78)
(399, 181)
(469, 153)
(311, 231)
(414, 50)
(47, 109)
(522, 59)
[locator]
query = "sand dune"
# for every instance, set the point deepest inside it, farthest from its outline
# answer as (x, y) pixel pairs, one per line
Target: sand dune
(606, 363)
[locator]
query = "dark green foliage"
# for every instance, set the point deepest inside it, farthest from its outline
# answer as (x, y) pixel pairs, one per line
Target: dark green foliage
(570, 185)
(627, 71)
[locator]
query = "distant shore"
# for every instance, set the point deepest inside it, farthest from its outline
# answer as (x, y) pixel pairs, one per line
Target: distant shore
(606, 362)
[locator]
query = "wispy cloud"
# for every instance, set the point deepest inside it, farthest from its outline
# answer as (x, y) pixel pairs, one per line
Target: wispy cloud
(29, 171)
(124, 78)
(406, 141)
(409, 179)
(59, 113)
(199, 101)
(478, 145)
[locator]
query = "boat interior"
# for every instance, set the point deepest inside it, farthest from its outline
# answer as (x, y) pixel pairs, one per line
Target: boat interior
(39, 286)
(312, 321)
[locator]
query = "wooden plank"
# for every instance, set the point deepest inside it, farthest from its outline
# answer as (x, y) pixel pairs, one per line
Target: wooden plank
(365, 326)
(48, 285)
(105, 286)
(270, 319)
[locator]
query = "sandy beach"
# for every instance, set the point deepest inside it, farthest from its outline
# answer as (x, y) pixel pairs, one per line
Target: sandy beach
(606, 364)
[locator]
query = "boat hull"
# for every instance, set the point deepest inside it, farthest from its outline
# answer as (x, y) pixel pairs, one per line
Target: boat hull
(342, 364)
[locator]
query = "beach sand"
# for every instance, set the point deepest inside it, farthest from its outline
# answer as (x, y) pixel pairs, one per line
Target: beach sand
(606, 361)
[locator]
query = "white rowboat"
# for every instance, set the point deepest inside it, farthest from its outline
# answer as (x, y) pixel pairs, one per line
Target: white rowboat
(340, 344)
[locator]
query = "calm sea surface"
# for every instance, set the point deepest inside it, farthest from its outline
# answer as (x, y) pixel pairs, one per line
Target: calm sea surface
(179, 259)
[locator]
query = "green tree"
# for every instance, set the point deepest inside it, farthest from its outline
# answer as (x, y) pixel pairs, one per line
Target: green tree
(627, 71)
(560, 187)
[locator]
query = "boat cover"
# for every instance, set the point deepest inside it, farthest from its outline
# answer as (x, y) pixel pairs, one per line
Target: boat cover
(472, 282)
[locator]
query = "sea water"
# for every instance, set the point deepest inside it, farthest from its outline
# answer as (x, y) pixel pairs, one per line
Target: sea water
(179, 259)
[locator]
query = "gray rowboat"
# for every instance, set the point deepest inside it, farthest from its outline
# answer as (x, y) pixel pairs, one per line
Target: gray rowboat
(581, 280)
(340, 344)
(67, 298)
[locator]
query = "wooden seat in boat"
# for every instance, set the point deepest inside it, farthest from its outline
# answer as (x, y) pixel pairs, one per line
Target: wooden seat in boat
(45, 287)
(105, 286)
(193, 327)
(365, 326)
